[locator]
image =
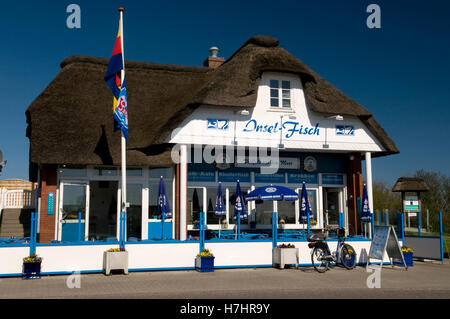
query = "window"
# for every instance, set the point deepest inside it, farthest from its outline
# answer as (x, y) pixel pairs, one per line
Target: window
(280, 93)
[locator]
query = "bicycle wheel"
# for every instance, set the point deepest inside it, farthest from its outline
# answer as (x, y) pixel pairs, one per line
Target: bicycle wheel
(319, 262)
(348, 256)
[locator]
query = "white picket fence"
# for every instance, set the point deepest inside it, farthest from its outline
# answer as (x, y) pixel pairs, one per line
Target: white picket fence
(16, 199)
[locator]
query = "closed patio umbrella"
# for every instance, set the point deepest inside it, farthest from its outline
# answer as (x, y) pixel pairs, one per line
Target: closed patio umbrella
(305, 208)
(163, 208)
(239, 208)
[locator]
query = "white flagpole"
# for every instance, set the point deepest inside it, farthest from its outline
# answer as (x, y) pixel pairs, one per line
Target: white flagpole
(123, 141)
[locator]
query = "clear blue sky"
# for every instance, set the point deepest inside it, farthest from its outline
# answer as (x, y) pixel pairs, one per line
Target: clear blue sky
(399, 72)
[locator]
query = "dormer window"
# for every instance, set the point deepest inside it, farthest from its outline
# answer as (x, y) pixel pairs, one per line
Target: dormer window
(280, 93)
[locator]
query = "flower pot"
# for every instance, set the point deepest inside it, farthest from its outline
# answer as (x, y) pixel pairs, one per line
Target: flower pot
(204, 264)
(31, 270)
(115, 260)
(284, 256)
(408, 260)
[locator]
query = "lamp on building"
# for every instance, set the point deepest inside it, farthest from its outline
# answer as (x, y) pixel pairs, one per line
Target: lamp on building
(337, 118)
(291, 117)
(241, 113)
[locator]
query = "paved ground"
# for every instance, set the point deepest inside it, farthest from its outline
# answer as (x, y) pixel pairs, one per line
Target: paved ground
(424, 280)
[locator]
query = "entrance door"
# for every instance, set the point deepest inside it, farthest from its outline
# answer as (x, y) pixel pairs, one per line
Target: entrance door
(102, 210)
(134, 212)
(332, 205)
(74, 200)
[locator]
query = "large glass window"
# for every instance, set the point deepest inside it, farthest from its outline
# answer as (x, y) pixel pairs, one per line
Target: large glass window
(232, 202)
(134, 211)
(286, 211)
(263, 212)
(153, 197)
(74, 201)
(105, 171)
(211, 217)
(194, 206)
(72, 172)
(102, 209)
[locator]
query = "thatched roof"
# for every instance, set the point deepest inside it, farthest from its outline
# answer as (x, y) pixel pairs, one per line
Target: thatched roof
(71, 121)
(410, 184)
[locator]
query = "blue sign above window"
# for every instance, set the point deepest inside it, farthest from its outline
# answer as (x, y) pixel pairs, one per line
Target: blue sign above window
(201, 176)
(298, 178)
(269, 178)
(243, 177)
(332, 179)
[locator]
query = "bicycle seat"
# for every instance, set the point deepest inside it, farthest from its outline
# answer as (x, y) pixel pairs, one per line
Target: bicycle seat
(316, 237)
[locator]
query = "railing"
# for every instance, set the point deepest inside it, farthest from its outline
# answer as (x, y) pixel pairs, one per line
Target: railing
(16, 199)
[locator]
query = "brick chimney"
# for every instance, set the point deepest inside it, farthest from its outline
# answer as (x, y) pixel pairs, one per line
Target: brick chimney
(213, 61)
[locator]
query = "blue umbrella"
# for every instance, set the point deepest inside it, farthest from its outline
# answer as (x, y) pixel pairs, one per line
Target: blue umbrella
(163, 207)
(220, 204)
(366, 216)
(272, 192)
(305, 208)
(239, 206)
(239, 209)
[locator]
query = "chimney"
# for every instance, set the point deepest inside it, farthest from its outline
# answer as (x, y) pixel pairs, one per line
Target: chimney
(213, 61)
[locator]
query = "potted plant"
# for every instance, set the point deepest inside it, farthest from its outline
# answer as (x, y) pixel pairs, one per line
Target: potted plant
(31, 268)
(285, 254)
(204, 261)
(115, 259)
(408, 255)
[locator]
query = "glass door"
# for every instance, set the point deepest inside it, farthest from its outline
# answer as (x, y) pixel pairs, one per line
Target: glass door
(196, 203)
(134, 212)
(74, 200)
(332, 205)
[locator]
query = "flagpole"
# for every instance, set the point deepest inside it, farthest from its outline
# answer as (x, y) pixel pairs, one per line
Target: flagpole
(123, 141)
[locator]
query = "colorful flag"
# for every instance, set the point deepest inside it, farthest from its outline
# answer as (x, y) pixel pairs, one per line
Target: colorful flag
(121, 112)
(115, 66)
(118, 89)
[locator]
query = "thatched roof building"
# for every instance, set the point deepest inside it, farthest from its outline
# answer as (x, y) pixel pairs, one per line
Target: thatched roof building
(71, 121)
(410, 184)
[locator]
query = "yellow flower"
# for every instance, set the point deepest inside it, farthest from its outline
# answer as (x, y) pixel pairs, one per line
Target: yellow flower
(205, 253)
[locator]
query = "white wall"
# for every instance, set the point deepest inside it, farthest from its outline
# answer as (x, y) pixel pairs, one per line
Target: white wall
(194, 130)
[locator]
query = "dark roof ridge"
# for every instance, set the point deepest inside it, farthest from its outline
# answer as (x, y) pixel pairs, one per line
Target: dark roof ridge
(133, 64)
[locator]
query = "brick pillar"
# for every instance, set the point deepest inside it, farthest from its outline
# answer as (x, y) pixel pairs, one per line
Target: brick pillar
(48, 185)
(354, 191)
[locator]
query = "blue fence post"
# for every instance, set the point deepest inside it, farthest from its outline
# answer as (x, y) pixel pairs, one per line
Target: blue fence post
(238, 236)
(162, 224)
(122, 229)
(308, 224)
(403, 226)
(380, 218)
(372, 224)
(79, 226)
(386, 217)
(341, 219)
(33, 230)
(419, 214)
(274, 229)
(441, 235)
(202, 231)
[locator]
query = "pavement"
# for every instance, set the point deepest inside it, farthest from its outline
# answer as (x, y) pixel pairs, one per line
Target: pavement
(424, 280)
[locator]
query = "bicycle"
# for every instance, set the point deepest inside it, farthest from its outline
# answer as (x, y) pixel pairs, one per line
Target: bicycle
(322, 257)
